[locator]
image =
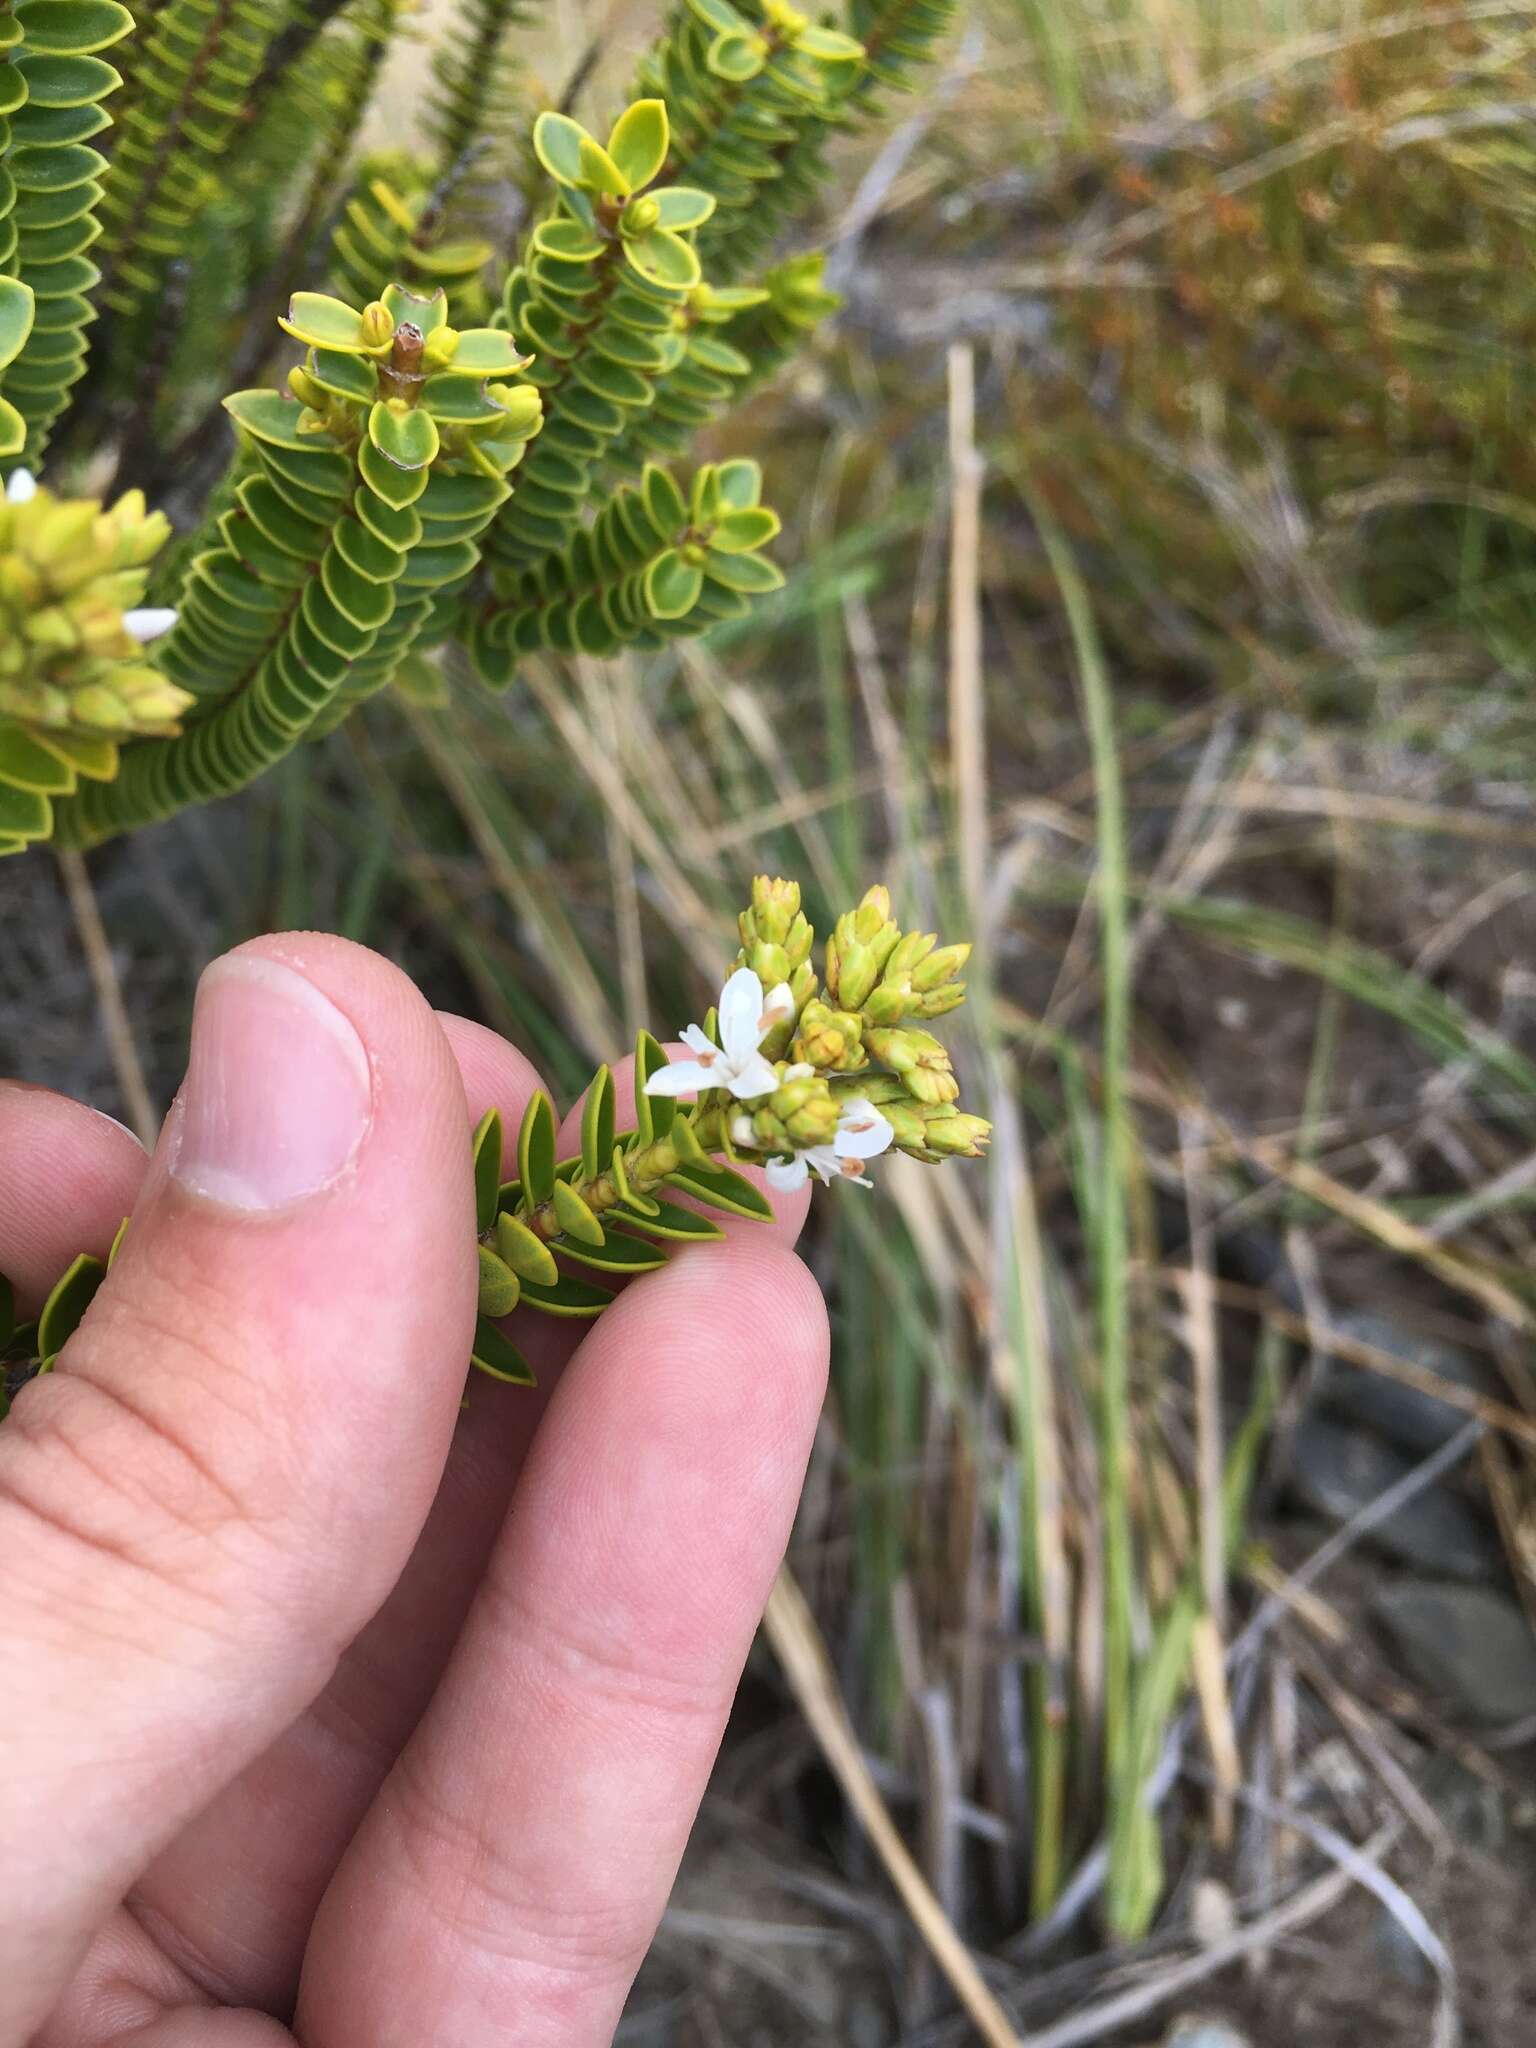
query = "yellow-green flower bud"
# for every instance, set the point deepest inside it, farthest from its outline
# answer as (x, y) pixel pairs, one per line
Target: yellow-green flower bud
(829, 1039)
(801, 1112)
(775, 907)
(953, 1133)
(939, 967)
(862, 942)
(378, 326)
(920, 1060)
(522, 404)
(441, 346)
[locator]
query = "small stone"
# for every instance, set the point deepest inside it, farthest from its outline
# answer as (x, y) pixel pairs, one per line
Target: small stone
(1337, 1471)
(1413, 1420)
(1196, 2031)
(1466, 1646)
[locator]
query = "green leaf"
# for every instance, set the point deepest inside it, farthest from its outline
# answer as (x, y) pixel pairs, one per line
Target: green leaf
(67, 1304)
(599, 172)
(499, 1285)
(723, 1189)
(736, 58)
(397, 487)
(26, 764)
(829, 44)
(403, 435)
(13, 429)
(576, 1218)
(672, 586)
(738, 533)
(346, 376)
(719, 15)
(427, 312)
(487, 1157)
(682, 206)
(525, 1251)
(497, 1355)
(568, 1297)
(557, 141)
(536, 1150)
(664, 505)
(76, 29)
(739, 483)
(653, 1113)
(752, 575)
(618, 1253)
(484, 352)
(638, 144)
(323, 322)
(269, 417)
(597, 1125)
(685, 1225)
(16, 310)
(685, 1142)
(664, 258)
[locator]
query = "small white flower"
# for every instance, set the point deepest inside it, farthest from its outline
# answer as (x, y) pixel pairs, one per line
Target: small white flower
(149, 623)
(21, 488)
(746, 1018)
(862, 1134)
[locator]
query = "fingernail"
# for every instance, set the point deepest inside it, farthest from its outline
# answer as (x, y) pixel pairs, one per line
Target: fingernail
(278, 1095)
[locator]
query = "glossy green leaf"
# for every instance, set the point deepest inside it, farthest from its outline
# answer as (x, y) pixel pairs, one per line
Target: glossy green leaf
(397, 487)
(75, 29)
(497, 1355)
(664, 258)
(639, 141)
(269, 417)
(653, 1113)
(685, 1225)
(403, 435)
(13, 429)
(525, 1251)
(736, 58)
(323, 322)
(618, 1253)
(672, 586)
(67, 1304)
(343, 375)
(499, 1285)
(753, 575)
(16, 313)
(487, 1158)
(738, 533)
(536, 1150)
(723, 1189)
(599, 172)
(557, 141)
(830, 45)
(484, 352)
(597, 1125)
(575, 1218)
(567, 1297)
(682, 206)
(664, 503)
(739, 483)
(426, 311)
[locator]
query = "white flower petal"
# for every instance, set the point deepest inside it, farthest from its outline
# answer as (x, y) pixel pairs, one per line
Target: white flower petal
(749, 1078)
(683, 1077)
(149, 623)
(741, 1011)
(802, 1070)
(21, 488)
(862, 1132)
(695, 1040)
(786, 1176)
(778, 1008)
(742, 1133)
(823, 1161)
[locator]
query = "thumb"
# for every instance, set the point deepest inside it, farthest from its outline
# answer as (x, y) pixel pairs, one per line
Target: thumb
(226, 1472)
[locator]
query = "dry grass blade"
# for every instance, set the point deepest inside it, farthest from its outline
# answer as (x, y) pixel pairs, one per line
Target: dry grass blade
(802, 1654)
(126, 1063)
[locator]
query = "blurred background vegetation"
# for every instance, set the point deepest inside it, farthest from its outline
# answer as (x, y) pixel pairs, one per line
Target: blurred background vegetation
(1154, 1661)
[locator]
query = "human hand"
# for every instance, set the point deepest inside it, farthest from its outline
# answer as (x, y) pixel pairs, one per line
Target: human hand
(326, 1704)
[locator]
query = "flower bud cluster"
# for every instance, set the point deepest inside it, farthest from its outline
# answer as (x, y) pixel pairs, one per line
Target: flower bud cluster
(72, 576)
(820, 1074)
